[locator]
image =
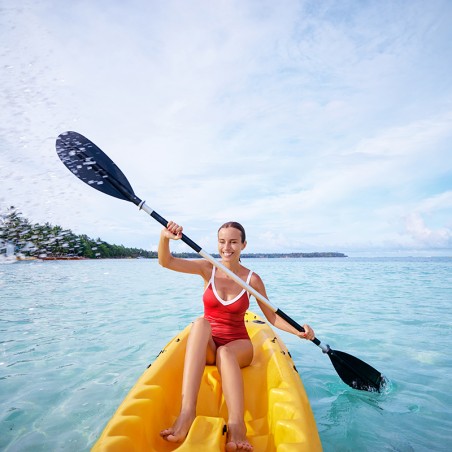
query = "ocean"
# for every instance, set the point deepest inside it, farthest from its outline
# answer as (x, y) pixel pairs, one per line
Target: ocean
(75, 336)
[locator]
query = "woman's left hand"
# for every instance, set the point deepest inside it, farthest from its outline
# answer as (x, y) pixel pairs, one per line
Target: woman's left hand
(307, 334)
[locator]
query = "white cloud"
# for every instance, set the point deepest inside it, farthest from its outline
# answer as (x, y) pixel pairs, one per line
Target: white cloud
(439, 202)
(430, 238)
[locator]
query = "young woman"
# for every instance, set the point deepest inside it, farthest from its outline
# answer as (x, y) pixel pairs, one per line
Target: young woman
(221, 332)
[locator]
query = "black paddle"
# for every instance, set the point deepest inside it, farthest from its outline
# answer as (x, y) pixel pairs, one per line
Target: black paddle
(95, 168)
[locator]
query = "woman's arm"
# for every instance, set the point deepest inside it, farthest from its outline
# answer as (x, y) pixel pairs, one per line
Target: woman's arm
(194, 266)
(275, 320)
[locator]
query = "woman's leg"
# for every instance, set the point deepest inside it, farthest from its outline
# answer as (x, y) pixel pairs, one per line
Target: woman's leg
(230, 359)
(200, 338)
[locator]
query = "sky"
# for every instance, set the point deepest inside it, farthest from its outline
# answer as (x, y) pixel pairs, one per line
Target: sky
(318, 125)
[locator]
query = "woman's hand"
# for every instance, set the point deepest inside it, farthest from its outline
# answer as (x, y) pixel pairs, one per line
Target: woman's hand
(307, 334)
(172, 231)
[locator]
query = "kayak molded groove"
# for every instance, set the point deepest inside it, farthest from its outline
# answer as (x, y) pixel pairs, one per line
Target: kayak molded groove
(278, 415)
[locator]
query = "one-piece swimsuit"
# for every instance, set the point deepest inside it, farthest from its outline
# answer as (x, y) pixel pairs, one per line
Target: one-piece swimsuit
(226, 318)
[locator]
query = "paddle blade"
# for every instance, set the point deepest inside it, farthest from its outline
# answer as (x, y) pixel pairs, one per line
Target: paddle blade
(91, 165)
(356, 373)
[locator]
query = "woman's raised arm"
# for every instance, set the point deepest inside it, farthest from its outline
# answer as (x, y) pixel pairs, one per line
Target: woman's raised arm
(194, 266)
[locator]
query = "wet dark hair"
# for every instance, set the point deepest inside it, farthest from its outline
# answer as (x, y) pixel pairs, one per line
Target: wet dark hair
(235, 225)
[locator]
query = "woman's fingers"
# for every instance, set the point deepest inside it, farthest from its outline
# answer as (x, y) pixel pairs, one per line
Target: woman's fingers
(308, 333)
(175, 229)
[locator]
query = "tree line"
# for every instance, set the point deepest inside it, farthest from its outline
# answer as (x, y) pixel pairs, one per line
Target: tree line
(39, 240)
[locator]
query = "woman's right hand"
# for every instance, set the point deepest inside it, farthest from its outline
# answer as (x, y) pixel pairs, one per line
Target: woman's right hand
(172, 231)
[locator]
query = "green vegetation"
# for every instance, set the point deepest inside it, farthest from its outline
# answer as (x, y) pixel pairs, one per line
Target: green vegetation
(36, 240)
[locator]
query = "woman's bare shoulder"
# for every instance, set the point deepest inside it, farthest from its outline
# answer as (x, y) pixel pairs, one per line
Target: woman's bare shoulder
(256, 280)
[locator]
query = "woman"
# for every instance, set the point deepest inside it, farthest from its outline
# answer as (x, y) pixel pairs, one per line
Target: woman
(221, 331)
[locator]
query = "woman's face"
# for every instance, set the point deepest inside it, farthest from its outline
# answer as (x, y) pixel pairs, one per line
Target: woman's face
(230, 244)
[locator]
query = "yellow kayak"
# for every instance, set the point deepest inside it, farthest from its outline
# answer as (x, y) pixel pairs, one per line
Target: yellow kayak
(278, 415)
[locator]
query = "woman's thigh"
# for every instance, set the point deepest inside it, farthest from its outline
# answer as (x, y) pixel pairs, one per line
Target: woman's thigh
(241, 350)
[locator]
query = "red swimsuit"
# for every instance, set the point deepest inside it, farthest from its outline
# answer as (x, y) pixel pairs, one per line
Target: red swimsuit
(226, 317)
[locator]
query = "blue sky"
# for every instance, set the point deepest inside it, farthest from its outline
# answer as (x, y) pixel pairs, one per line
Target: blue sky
(319, 125)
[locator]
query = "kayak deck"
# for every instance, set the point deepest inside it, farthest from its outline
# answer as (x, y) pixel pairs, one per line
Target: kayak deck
(278, 415)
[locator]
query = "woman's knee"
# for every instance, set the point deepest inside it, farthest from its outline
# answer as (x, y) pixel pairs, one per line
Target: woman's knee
(224, 354)
(201, 336)
(201, 329)
(202, 324)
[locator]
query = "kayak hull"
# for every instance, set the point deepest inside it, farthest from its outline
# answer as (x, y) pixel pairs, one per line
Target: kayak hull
(278, 415)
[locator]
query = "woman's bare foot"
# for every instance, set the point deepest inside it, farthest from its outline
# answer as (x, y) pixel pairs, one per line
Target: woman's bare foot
(237, 438)
(178, 432)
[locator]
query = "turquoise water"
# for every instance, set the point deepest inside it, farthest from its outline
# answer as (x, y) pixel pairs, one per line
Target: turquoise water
(75, 336)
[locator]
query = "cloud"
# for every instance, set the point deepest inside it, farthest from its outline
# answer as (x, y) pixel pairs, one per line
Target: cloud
(429, 238)
(434, 209)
